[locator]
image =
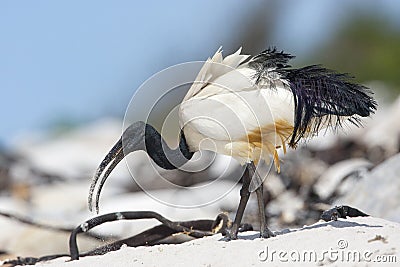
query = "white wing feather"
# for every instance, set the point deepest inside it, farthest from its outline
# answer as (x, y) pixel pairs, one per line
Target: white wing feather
(215, 67)
(226, 105)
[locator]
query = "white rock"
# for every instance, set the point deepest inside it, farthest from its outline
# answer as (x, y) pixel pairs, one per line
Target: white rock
(328, 183)
(274, 185)
(75, 153)
(286, 205)
(384, 129)
(378, 192)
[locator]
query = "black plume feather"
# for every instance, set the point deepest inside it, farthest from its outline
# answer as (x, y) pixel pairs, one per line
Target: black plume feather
(323, 96)
(268, 61)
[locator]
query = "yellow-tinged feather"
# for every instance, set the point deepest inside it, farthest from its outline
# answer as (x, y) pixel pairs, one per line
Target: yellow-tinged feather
(261, 138)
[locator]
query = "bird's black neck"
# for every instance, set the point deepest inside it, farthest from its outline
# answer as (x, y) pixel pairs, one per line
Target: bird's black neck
(162, 154)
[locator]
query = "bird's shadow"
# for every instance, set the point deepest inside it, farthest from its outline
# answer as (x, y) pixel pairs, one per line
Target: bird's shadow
(336, 224)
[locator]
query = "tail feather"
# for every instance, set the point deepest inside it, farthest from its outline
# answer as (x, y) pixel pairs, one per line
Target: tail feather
(322, 97)
(325, 97)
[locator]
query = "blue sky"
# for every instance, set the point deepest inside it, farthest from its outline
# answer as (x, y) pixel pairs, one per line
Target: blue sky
(81, 60)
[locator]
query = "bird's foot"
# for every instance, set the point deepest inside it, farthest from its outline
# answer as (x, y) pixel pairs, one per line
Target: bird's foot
(232, 233)
(230, 236)
(266, 233)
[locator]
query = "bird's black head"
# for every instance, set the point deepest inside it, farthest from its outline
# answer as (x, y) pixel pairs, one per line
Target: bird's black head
(139, 136)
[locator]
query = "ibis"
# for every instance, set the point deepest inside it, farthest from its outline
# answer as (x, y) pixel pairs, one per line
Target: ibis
(247, 107)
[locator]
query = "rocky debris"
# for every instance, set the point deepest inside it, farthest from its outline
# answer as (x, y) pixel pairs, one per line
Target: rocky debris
(285, 208)
(274, 186)
(378, 191)
(341, 212)
(5, 162)
(74, 154)
(382, 136)
(330, 180)
(22, 239)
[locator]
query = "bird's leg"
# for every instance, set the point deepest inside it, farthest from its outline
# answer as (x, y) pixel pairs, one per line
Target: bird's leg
(264, 231)
(244, 197)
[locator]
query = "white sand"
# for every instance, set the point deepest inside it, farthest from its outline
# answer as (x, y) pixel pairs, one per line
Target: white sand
(340, 243)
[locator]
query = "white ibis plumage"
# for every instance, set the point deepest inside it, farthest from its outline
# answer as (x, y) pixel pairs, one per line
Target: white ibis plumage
(248, 108)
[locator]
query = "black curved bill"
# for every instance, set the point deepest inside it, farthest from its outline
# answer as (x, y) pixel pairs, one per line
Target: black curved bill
(111, 160)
